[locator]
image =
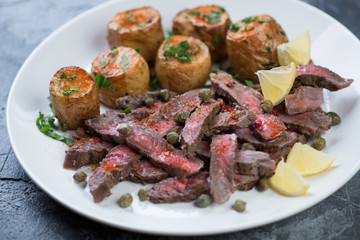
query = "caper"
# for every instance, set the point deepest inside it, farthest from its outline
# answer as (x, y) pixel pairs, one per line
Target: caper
(203, 201)
(267, 106)
(335, 118)
(181, 117)
(80, 176)
(247, 146)
(149, 102)
(319, 143)
(125, 200)
(172, 138)
(205, 95)
(124, 129)
(164, 95)
(142, 195)
(262, 185)
(239, 206)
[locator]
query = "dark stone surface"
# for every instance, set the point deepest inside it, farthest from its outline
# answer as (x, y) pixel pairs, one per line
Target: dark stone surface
(26, 212)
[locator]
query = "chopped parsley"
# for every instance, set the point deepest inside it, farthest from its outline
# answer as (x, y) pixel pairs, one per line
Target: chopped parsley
(283, 33)
(217, 39)
(138, 50)
(255, 19)
(124, 62)
(181, 52)
(72, 78)
(130, 19)
(269, 37)
(268, 49)
(249, 83)
(63, 76)
(126, 110)
(212, 17)
(113, 59)
(68, 91)
(103, 63)
(113, 51)
(154, 84)
(234, 27)
(101, 81)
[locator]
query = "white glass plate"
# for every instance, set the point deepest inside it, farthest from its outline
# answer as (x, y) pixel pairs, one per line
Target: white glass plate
(81, 39)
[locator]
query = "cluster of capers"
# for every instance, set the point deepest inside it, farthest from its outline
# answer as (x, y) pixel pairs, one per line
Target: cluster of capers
(126, 199)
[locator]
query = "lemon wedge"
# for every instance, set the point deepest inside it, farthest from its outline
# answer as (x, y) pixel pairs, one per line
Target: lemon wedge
(276, 83)
(297, 50)
(308, 161)
(287, 181)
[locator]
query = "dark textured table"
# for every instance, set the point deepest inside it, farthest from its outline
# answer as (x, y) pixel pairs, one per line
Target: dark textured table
(26, 212)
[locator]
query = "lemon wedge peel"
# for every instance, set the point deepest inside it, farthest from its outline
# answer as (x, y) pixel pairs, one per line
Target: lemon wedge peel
(276, 83)
(286, 181)
(297, 50)
(308, 161)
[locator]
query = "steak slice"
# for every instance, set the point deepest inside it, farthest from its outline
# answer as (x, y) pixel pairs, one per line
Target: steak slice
(268, 126)
(163, 121)
(106, 125)
(116, 166)
(286, 139)
(223, 155)
(144, 172)
(317, 76)
(80, 133)
(86, 151)
(203, 150)
(226, 121)
(313, 123)
(304, 99)
(144, 112)
(244, 182)
(281, 153)
(172, 190)
(161, 154)
(255, 163)
(136, 101)
(196, 125)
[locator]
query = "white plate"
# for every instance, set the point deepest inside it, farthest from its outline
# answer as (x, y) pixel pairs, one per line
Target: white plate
(81, 39)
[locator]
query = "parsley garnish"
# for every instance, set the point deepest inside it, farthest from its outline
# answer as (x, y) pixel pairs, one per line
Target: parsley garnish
(124, 62)
(234, 27)
(70, 90)
(268, 49)
(249, 83)
(217, 39)
(269, 37)
(113, 59)
(113, 51)
(103, 63)
(62, 76)
(138, 50)
(283, 33)
(126, 110)
(212, 17)
(101, 81)
(72, 78)
(255, 19)
(154, 85)
(181, 52)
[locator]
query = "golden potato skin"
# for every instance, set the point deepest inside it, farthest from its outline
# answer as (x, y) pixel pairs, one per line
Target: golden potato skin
(74, 96)
(183, 76)
(254, 46)
(138, 28)
(212, 34)
(125, 69)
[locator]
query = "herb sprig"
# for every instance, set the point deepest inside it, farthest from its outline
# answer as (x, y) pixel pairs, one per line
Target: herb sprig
(212, 17)
(124, 62)
(181, 52)
(101, 81)
(255, 19)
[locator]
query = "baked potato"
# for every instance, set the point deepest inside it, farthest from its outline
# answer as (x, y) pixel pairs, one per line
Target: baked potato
(138, 28)
(125, 69)
(208, 23)
(252, 45)
(182, 63)
(74, 97)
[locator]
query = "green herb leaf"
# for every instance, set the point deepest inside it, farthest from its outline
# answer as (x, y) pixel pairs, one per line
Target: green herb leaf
(103, 62)
(181, 52)
(113, 59)
(217, 39)
(212, 17)
(234, 27)
(255, 19)
(70, 90)
(124, 62)
(269, 49)
(113, 51)
(101, 81)
(283, 33)
(154, 85)
(138, 50)
(63, 76)
(141, 25)
(269, 37)
(72, 78)
(126, 110)
(249, 83)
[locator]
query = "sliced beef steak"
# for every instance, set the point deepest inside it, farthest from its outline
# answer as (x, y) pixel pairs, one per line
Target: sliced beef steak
(317, 76)
(163, 121)
(80, 133)
(144, 172)
(286, 139)
(203, 150)
(223, 155)
(86, 151)
(136, 101)
(196, 125)
(117, 165)
(172, 190)
(144, 112)
(255, 163)
(244, 182)
(304, 99)
(281, 153)
(313, 123)
(268, 126)
(226, 121)
(161, 154)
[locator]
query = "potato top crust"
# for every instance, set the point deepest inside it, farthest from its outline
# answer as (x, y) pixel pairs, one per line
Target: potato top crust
(210, 15)
(134, 19)
(183, 49)
(114, 62)
(71, 81)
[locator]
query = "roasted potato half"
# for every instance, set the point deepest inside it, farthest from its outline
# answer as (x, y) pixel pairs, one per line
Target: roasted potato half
(138, 28)
(125, 69)
(74, 96)
(252, 45)
(182, 63)
(208, 23)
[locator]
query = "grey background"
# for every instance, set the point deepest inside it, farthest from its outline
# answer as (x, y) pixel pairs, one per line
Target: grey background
(26, 212)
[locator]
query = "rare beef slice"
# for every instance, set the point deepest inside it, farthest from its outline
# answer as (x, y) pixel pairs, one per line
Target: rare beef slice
(144, 172)
(254, 163)
(304, 99)
(226, 121)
